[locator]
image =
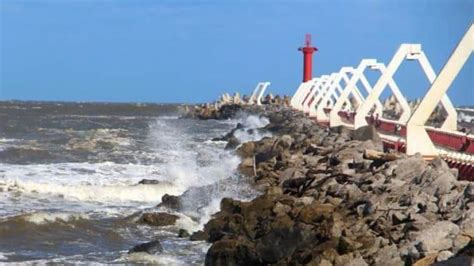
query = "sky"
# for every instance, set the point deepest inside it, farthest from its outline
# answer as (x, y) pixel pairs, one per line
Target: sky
(187, 51)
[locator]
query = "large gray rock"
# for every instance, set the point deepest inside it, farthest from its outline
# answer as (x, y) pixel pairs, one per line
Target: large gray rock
(409, 168)
(366, 133)
(437, 237)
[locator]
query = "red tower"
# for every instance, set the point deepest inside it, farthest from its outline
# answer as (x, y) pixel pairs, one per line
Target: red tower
(307, 58)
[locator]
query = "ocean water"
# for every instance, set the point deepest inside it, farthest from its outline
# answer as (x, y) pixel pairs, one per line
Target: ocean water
(69, 176)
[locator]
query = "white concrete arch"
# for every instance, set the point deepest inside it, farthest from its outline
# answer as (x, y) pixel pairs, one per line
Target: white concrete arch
(409, 52)
(253, 96)
(316, 90)
(261, 91)
(418, 139)
(321, 92)
(333, 92)
(300, 93)
(358, 75)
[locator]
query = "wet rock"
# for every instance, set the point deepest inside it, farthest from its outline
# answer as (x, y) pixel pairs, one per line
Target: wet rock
(323, 202)
(199, 236)
(183, 233)
(246, 167)
(158, 219)
(232, 252)
(152, 247)
(246, 149)
(149, 182)
(171, 202)
(232, 143)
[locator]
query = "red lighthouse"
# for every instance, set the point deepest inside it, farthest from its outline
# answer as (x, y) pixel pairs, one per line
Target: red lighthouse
(307, 58)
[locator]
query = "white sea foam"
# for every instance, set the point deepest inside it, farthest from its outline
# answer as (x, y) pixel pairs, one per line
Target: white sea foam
(255, 121)
(71, 191)
(45, 217)
(113, 193)
(252, 123)
(3, 255)
(158, 259)
(6, 143)
(185, 222)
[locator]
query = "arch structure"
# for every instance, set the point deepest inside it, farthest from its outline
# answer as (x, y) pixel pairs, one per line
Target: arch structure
(253, 96)
(419, 137)
(317, 86)
(257, 94)
(404, 52)
(311, 89)
(337, 111)
(301, 93)
(332, 93)
(323, 89)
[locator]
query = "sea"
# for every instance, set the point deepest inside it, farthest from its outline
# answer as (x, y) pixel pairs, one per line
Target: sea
(70, 173)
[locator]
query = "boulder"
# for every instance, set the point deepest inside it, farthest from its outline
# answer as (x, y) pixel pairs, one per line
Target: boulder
(437, 237)
(366, 133)
(278, 244)
(199, 236)
(152, 247)
(170, 202)
(149, 182)
(232, 252)
(158, 219)
(183, 233)
(246, 149)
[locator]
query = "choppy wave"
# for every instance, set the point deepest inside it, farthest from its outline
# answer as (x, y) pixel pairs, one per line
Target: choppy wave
(142, 257)
(80, 208)
(40, 218)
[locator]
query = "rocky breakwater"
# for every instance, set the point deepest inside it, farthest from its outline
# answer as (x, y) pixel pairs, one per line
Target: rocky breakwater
(333, 197)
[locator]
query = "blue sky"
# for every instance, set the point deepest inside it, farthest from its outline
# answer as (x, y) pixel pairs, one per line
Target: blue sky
(194, 50)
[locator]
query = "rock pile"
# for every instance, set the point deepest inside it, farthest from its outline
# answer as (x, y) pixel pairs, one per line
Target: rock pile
(228, 106)
(327, 201)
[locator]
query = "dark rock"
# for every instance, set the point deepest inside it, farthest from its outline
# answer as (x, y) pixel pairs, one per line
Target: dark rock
(246, 149)
(171, 202)
(199, 236)
(232, 252)
(228, 111)
(278, 244)
(149, 182)
(152, 247)
(183, 233)
(232, 143)
(158, 219)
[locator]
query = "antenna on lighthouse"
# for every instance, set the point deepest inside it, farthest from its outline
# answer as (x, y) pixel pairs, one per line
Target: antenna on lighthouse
(308, 51)
(308, 40)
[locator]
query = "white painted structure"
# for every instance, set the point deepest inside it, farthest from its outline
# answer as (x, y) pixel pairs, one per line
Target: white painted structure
(351, 88)
(257, 94)
(417, 137)
(332, 94)
(317, 86)
(301, 93)
(320, 93)
(408, 52)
